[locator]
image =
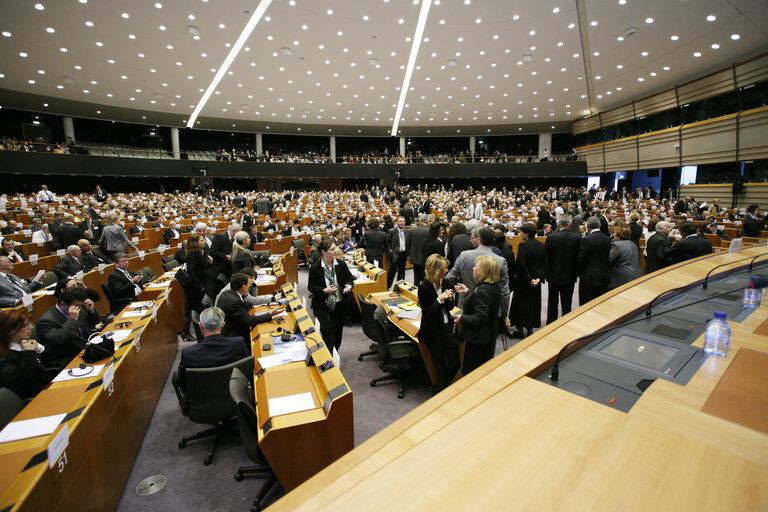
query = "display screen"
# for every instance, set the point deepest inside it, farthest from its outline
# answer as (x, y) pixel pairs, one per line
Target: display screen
(640, 352)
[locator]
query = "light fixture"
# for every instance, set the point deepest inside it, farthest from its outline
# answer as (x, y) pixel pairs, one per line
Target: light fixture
(286, 51)
(246, 33)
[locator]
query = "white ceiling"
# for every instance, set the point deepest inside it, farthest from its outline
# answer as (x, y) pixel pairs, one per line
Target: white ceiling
(328, 80)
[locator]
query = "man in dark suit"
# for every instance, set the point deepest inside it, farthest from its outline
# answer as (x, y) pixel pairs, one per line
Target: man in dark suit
(137, 228)
(238, 320)
(606, 218)
(92, 229)
(657, 248)
(681, 206)
(418, 237)
(398, 248)
(67, 234)
(213, 350)
(460, 243)
(10, 229)
(99, 194)
(172, 233)
(124, 284)
(562, 252)
(91, 257)
(408, 212)
(70, 264)
(16, 255)
(691, 246)
(450, 211)
(373, 242)
(220, 251)
(62, 330)
(160, 222)
(592, 262)
(269, 224)
(55, 224)
(12, 288)
(635, 228)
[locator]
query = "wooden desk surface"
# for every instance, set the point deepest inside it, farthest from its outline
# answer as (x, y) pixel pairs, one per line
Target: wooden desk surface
(497, 439)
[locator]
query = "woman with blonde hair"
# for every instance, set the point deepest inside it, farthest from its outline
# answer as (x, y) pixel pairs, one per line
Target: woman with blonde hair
(480, 319)
(113, 238)
(436, 331)
(241, 257)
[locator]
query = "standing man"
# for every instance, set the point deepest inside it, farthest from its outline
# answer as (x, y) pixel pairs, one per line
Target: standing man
(691, 246)
(562, 252)
(657, 248)
(606, 218)
(68, 234)
(593, 262)
(238, 320)
(418, 237)
(220, 254)
(373, 242)
(398, 246)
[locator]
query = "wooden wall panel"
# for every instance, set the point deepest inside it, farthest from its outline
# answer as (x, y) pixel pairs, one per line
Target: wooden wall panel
(621, 155)
(753, 134)
(659, 149)
(709, 141)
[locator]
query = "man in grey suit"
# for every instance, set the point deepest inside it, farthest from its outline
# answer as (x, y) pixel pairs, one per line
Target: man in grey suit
(461, 272)
(418, 237)
(398, 246)
(12, 288)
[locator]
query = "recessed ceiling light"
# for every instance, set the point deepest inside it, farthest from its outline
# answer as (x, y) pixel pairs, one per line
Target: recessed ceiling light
(644, 54)
(99, 43)
(40, 71)
(711, 17)
(572, 25)
(169, 46)
(622, 2)
(111, 61)
(620, 38)
(640, 79)
(63, 50)
(556, 10)
(141, 55)
(735, 37)
(559, 44)
(478, 20)
(39, 7)
(532, 33)
(50, 30)
(191, 17)
(619, 66)
(339, 33)
(697, 54)
(23, 54)
(131, 36)
(666, 68)
(575, 55)
(674, 38)
(715, 46)
(125, 15)
(649, 20)
(88, 23)
(6, 33)
(593, 23)
(159, 5)
(86, 91)
(161, 27)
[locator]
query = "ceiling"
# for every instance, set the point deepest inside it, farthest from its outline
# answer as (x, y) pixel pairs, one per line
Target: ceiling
(337, 66)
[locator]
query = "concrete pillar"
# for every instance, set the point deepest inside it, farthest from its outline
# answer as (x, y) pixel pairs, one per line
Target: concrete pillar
(175, 144)
(472, 141)
(402, 146)
(259, 146)
(333, 148)
(545, 142)
(69, 128)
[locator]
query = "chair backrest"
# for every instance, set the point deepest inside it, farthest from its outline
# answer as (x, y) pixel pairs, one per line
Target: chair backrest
(166, 259)
(49, 278)
(10, 406)
(208, 393)
(108, 295)
(241, 392)
(146, 273)
(369, 324)
(195, 316)
(208, 301)
(169, 265)
(222, 280)
(299, 244)
(381, 344)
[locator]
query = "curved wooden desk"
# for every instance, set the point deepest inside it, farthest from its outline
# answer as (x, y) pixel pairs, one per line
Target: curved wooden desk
(498, 439)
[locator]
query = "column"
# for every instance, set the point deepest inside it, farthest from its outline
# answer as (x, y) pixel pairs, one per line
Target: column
(69, 128)
(175, 144)
(402, 146)
(259, 146)
(333, 148)
(545, 142)
(472, 141)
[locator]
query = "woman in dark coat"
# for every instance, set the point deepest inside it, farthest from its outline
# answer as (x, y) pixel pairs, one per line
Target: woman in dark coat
(435, 242)
(241, 257)
(20, 368)
(530, 271)
(195, 288)
(480, 317)
(436, 329)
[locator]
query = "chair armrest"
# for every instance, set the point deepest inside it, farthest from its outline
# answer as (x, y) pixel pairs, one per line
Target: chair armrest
(181, 395)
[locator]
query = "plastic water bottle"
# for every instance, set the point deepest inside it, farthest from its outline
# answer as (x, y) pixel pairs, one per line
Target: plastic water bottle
(752, 296)
(717, 336)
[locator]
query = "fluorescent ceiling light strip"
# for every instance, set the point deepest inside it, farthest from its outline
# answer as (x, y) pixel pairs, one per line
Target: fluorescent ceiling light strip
(417, 36)
(244, 35)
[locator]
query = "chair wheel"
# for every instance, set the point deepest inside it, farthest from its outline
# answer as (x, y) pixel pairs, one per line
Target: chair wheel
(255, 508)
(208, 459)
(359, 358)
(373, 383)
(182, 444)
(238, 477)
(400, 394)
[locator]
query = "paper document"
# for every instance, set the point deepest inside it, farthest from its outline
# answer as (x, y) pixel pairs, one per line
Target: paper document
(288, 347)
(284, 358)
(25, 429)
(262, 279)
(144, 304)
(417, 324)
(44, 291)
(363, 280)
(77, 373)
(129, 314)
(290, 403)
(164, 284)
(409, 314)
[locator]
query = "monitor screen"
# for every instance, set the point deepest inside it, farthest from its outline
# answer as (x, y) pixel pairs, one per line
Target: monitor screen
(640, 352)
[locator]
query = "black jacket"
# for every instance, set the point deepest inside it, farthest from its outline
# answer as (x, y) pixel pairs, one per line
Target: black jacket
(59, 334)
(393, 241)
(689, 248)
(238, 321)
(432, 319)
(316, 281)
(66, 235)
(373, 242)
(479, 319)
(221, 247)
(657, 248)
(562, 253)
(214, 350)
(593, 260)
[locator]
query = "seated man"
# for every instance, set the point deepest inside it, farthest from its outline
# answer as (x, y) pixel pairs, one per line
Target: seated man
(213, 350)
(12, 288)
(172, 233)
(124, 284)
(42, 235)
(70, 264)
(16, 255)
(237, 316)
(252, 300)
(91, 257)
(64, 328)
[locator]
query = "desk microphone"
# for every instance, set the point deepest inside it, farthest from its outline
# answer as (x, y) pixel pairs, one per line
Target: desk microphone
(753, 259)
(706, 278)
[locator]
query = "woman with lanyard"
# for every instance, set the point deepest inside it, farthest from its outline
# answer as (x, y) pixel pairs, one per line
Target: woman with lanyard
(330, 283)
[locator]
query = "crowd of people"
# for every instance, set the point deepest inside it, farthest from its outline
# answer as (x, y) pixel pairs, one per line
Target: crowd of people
(458, 241)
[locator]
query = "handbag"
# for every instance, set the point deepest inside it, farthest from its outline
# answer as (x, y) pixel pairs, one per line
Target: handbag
(182, 277)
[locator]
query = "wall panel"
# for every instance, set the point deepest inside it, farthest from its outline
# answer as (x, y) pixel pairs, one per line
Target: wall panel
(709, 141)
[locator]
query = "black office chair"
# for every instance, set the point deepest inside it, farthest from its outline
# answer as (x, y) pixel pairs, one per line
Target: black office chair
(170, 265)
(241, 392)
(397, 357)
(221, 281)
(206, 400)
(195, 316)
(166, 259)
(50, 278)
(301, 258)
(10, 406)
(146, 274)
(369, 326)
(115, 305)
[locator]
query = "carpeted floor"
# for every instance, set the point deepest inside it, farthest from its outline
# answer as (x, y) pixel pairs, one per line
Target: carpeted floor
(192, 486)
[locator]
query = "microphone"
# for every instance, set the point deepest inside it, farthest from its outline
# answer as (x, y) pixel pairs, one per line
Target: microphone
(706, 278)
(753, 259)
(554, 374)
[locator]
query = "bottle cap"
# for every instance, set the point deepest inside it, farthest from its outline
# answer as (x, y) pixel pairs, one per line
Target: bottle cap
(721, 315)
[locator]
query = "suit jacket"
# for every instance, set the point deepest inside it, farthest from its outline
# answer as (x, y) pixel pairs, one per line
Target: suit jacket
(604, 226)
(689, 248)
(418, 238)
(242, 260)
(637, 232)
(393, 242)
(459, 244)
(9, 294)
(657, 249)
(214, 350)
(113, 238)
(93, 258)
(432, 312)
(58, 333)
(66, 235)
(373, 242)
(449, 213)
(96, 228)
(221, 247)
(168, 235)
(434, 246)
(480, 316)
(562, 252)
(316, 281)
(17, 250)
(123, 290)
(238, 321)
(466, 261)
(408, 213)
(593, 259)
(136, 230)
(69, 267)
(624, 259)
(532, 262)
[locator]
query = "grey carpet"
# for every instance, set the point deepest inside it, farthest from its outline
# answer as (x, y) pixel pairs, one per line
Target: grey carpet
(193, 486)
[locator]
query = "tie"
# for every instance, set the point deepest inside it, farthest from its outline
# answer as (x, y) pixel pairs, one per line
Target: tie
(13, 280)
(401, 237)
(331, 299)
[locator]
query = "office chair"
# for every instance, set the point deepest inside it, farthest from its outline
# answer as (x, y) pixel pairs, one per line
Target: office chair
(301, 257)
(166, 259)
(369, 326)
(221, 281)
(206, 400)
(146, 274)
(208, 301)
(241, 392)
(10, 406)
(170, 265)
(50, 278)
(397, 356)
(115, 305)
